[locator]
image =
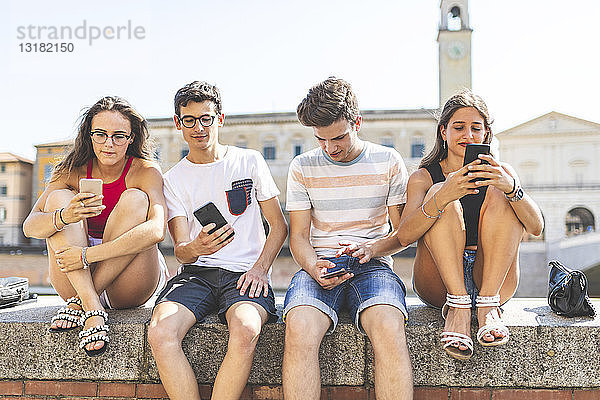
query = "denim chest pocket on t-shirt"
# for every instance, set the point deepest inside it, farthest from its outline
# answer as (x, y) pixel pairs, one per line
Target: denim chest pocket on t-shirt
(240, 196)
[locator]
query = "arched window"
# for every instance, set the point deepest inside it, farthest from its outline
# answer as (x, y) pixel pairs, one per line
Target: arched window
(454, 19)
(579, 220)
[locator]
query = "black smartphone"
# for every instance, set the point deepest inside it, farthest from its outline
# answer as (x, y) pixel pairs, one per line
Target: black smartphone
(209, 213)
(342, 266)
(473, 151)
(471, 154)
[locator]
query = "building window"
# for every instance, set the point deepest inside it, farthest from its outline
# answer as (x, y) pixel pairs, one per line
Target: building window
(579, 220)
(387, 141)
(417, 150)
(3, 190)
(269, 151)
(47, 172)
(2, 168)
(184, 152)
(2, 214)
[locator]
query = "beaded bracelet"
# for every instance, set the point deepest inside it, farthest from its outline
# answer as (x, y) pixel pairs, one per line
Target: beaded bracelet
(434, 203)
(54, 222)
(436, 207)
(84, 260)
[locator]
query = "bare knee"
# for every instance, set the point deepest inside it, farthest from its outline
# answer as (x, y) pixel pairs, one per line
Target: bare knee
(385, 327)
(135, 203)
(496, 203)
(162, 336)
(243, 333)
(58, 198)
(301, 332)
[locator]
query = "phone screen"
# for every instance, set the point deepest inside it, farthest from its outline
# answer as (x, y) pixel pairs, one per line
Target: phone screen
(209, 213)
(473, 151)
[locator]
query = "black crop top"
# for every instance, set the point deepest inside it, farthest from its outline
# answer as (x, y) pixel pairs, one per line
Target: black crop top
(471, 205)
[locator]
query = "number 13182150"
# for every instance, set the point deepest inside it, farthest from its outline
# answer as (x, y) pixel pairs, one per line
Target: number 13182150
(46, 47)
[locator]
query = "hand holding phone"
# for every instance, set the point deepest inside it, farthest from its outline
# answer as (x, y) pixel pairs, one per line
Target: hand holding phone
(472, 153)
(94, 186)
(342, 266)
(209, 213)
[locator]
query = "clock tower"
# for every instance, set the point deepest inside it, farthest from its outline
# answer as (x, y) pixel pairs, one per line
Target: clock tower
(454, 44)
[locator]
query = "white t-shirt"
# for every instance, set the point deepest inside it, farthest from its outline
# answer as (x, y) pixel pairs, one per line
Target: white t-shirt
(189, 186)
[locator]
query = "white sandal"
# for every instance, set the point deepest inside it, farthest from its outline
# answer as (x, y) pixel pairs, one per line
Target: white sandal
(68, 314)
(450, 339)
(494, 325)
(98, 333)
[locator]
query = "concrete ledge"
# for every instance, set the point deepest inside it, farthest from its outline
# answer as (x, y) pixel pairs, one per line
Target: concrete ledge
(545, 351)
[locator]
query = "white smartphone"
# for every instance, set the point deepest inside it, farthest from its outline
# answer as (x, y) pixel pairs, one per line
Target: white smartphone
(91, 186)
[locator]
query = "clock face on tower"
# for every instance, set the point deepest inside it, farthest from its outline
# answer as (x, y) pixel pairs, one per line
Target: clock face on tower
(456, 50)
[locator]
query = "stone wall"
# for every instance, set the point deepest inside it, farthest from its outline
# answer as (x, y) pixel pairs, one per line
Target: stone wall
(547, 357)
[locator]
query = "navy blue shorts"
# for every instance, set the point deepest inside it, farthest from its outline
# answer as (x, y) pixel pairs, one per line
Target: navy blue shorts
(373, 283)
(204, 290)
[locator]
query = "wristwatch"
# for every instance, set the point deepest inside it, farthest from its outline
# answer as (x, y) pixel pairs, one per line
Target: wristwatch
(517, 196)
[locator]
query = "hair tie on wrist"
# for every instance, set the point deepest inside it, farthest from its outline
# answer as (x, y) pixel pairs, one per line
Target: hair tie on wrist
(513, 188)
(60, 210)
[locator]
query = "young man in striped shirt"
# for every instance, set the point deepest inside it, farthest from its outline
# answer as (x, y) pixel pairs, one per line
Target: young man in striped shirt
(341, 197)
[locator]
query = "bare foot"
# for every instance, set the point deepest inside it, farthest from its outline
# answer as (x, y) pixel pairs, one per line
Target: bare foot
(487, 316)
(458, 320)
(63, 323)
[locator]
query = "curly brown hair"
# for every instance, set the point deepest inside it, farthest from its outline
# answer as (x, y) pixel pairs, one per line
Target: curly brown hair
(82, 151)
(328, 102)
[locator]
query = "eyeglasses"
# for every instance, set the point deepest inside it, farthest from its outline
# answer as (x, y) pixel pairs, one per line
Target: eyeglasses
(118, 139)
(189, 121)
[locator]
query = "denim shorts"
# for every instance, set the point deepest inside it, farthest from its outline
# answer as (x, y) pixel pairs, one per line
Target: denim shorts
(204, 290)
(468, 263)
(373, 283)
(472, 290)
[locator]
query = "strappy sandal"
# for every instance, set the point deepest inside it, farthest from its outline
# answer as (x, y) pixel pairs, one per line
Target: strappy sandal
(495, 325)
(94, 334)
(452, 339)
(68, 314)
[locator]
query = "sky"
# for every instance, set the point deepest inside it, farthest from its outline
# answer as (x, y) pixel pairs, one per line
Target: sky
(529, 57)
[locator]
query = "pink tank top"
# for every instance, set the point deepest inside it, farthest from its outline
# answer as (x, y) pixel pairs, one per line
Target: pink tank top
(112, 192)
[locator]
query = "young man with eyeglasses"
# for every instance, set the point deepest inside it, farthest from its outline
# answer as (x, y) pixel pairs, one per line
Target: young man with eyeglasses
(225, 271)
(341, 197)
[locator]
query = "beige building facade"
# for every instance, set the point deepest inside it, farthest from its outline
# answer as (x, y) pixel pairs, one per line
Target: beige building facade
(557, 157)
(280, 137)
(15, 197)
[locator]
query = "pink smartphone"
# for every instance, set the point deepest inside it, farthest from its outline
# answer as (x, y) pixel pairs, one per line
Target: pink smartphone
(91, 186)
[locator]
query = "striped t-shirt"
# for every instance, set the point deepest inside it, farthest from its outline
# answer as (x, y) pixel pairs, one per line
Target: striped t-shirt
(348, 201)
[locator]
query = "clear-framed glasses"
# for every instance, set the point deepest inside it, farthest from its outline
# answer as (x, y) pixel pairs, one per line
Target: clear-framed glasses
(118, 139)
(189, 121)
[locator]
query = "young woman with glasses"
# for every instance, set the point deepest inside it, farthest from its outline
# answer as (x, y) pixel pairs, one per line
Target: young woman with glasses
(103, 256)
